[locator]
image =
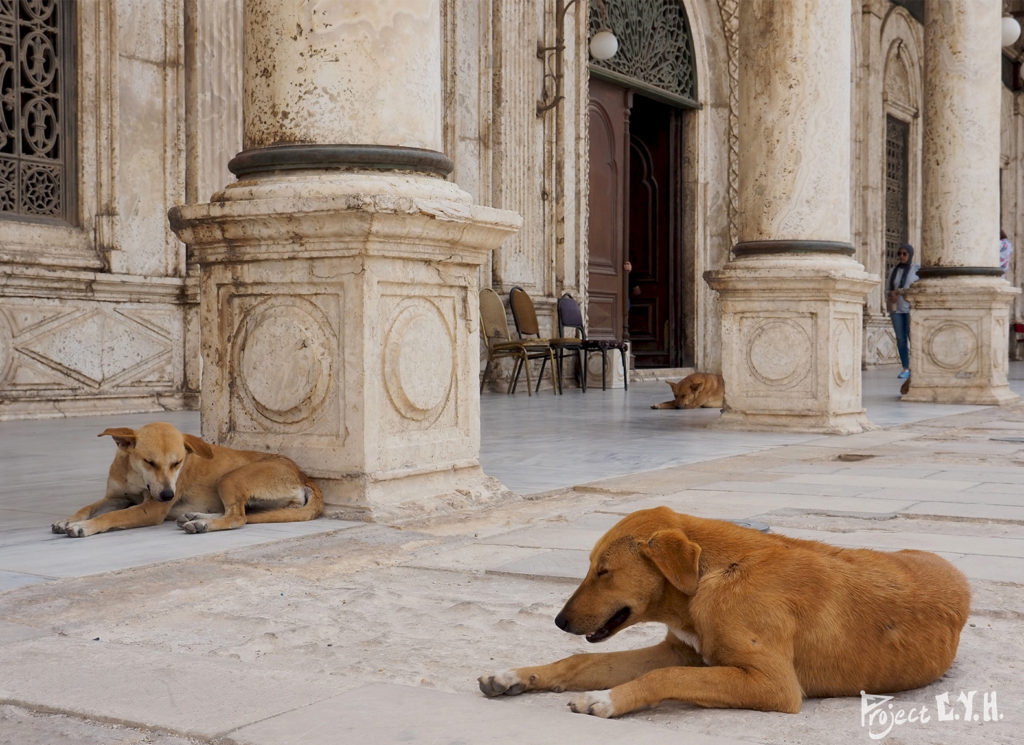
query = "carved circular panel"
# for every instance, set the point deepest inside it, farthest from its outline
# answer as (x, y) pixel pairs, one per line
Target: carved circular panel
(779, 353)
(282, 355)
(952, 345)
(419, 362)
(845, 357)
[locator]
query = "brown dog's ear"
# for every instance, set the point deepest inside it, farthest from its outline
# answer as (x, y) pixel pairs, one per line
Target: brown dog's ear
(677, 557)
(123, 436)
(195, 445)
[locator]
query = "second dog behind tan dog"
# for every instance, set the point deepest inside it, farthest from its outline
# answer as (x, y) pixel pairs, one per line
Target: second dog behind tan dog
(696, 390)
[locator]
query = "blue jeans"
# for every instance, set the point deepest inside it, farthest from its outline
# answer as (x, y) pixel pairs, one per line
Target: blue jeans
(901, 327)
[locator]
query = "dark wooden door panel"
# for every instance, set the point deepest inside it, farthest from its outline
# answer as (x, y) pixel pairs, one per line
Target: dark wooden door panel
(654, 285)
(609, 166)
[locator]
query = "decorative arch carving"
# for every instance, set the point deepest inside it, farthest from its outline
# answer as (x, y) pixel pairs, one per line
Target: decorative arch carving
(655, 48)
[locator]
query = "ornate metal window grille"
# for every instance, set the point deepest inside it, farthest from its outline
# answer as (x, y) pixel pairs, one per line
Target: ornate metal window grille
(655, 48)
(36, 109)
(897, 134)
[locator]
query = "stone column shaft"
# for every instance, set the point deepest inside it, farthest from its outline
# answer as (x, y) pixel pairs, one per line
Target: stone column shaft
(794, 122)
(315, 73)
(960, 158)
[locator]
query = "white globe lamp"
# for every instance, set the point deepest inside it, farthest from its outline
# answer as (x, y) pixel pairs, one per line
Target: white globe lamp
(604, 45)
(1011, 31)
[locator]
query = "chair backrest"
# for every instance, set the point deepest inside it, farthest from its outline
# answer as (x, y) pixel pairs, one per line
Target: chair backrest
(493, 321)
(570, 316)
(523, 313)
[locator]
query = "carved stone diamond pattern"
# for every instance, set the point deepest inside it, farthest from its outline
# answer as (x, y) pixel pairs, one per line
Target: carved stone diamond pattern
(95, 347)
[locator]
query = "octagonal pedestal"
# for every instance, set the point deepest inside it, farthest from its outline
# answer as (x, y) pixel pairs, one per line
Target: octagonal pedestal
(791, 343)
(339, 320)
(959, 332)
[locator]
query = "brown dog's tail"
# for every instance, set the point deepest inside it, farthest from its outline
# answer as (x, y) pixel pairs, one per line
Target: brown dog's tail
(312, 509)
(315, 503)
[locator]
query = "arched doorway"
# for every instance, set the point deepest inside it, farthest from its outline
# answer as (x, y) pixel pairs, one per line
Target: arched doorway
(637, 208)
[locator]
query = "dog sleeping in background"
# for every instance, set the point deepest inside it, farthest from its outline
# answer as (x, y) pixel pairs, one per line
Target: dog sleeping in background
(754, 620)
(162, 474)
(696, 390)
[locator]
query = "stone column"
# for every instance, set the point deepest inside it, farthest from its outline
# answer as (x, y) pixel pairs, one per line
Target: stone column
(792, 295)
(339, 305)
(960, 307)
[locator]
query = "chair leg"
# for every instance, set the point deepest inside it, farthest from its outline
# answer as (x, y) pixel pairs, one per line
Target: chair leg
(540, 375)
(523, 362)
(514, 380)
(487, 369)
(625, 372)
(555, 387)
(585, 355)
(604, 364)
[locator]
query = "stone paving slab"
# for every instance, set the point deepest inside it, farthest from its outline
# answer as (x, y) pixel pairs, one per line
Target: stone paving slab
(965, 510)
(554, 536)
(729, 505)
(475, 557)
(942, 543)
(552, 564)
(430, 717)
(984, 567)
(894, 482)
(200, 696)
(38, 555)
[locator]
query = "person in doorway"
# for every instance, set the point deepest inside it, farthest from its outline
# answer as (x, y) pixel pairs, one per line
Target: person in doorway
(1005, 252)
(900, 278)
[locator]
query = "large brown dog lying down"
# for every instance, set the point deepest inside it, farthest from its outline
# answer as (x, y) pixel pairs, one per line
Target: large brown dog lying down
(694, 391)
(161, 474)
(755, 621)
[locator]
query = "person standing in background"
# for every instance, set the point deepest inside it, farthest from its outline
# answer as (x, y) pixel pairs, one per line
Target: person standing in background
(900, 278)
(1005, 252)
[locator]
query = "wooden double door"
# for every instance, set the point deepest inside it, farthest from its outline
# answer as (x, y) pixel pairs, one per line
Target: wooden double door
(636, 216)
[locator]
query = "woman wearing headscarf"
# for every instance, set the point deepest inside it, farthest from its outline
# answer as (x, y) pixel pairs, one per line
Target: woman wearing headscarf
(1005, 252)
(900, 278)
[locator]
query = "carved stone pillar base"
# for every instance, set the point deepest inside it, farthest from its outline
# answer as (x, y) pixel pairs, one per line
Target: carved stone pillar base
(791, 343)
(339, 319)
(959, 331)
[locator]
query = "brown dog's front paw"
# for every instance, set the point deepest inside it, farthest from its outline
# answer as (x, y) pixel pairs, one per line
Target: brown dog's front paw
(195, 526)
(60, 528)
(505, 683)
(76, 530)
(186, 517)
(597, 703)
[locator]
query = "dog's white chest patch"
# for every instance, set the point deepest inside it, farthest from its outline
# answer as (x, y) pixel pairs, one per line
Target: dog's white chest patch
(688, 638)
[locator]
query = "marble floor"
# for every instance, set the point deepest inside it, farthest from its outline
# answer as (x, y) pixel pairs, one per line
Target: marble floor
(544, 442)
(533, 444)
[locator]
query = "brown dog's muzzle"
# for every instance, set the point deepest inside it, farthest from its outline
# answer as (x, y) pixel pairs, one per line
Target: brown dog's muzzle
(606, 629)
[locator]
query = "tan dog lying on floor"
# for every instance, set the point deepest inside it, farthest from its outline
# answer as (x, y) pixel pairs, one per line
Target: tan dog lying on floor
(696, 390)
(755, 620)
(161, 474)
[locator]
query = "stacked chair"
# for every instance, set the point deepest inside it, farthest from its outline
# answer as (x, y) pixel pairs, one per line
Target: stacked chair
(570, 317)
(525, 316)
(499, 342)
